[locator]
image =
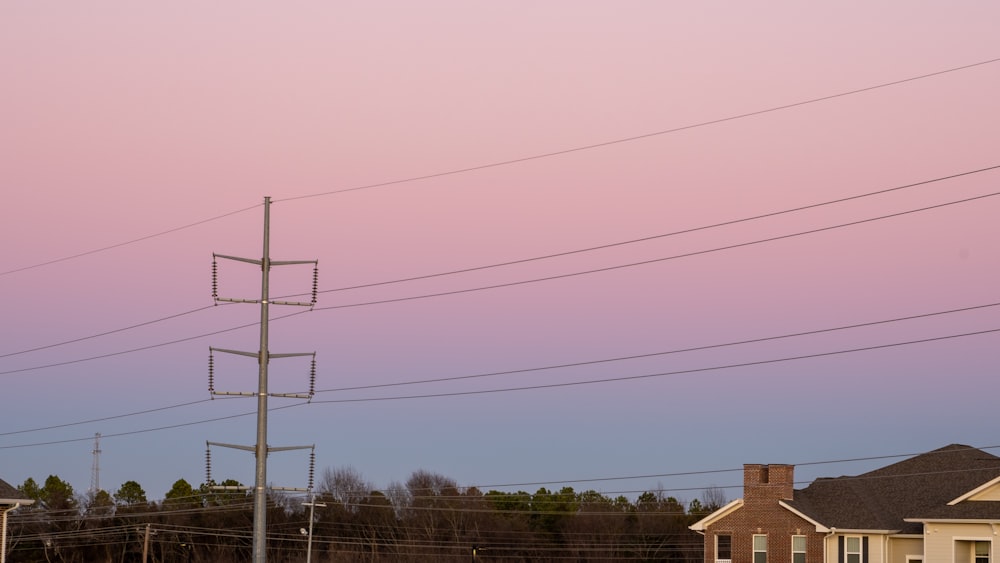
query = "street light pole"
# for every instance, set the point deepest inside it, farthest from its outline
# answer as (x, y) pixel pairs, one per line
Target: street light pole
(312, 504)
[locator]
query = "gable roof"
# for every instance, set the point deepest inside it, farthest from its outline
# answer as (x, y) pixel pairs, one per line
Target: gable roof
(891, 498)
(700, 525)
(986, 491)
(10, 495)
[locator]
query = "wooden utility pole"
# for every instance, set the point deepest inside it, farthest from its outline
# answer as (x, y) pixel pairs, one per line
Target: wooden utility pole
(145, 545)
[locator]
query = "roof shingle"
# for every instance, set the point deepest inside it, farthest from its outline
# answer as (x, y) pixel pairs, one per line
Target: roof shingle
(917, 487)
(9, 493)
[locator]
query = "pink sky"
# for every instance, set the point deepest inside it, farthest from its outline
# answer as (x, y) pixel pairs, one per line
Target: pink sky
(122, 121)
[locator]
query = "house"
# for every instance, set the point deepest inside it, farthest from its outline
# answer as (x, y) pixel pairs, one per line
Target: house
(10, 498)
(942, 506)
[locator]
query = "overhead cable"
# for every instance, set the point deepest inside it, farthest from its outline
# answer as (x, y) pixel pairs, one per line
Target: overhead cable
(521, 282)
(521, 159)
(548, 367)
(512, 262)
(645, 135)
(530, 387)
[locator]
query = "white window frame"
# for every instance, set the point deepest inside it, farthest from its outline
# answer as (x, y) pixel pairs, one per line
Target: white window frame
(803, 551)
(860, 552)
(756, 551)
(989, 551)
(973, 540)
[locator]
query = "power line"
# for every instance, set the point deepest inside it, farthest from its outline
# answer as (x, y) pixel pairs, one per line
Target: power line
(564, 482)
(519, 160)
(128, 242)
(512, 262)
(730, 470)
(105, 418)
(691, 473)
(133, 350)
(523, 282)
(657, 260)
(661, 374)
(556, 494)
(664, 235)
(147, 430)
(715, 471)
(543, 368)
(108, 332)
(533, 387)
(645, 135)
(664, 353)
(241, 504)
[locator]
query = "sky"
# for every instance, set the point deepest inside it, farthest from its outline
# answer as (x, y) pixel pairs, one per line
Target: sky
(608, 180)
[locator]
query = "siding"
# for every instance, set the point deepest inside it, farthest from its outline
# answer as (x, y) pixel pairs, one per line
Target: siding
(899, 548)
(939, 540)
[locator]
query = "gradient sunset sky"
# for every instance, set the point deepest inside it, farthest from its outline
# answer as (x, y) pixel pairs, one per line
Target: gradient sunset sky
(404, 140)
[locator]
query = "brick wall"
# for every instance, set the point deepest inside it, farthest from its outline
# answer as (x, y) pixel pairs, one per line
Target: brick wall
(768, 483)
(763, 487)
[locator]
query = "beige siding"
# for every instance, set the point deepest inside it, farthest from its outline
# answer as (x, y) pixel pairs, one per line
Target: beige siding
(992, 493)
(940, 541)
(900, 548)
(879, 548)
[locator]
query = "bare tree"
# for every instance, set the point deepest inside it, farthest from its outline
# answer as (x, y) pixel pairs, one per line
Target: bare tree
(423, 484)
(400, 498)
(713, 498)
(346, 486)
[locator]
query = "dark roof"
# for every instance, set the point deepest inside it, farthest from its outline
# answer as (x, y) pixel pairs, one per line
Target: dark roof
(968, 510)
(8, 493)
(918, 487)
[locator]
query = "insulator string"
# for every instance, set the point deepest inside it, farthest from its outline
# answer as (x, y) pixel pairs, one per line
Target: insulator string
(312, 378)
(215, 280)
(208, 464)
(211, 373)
(315, 282)
(312, 466)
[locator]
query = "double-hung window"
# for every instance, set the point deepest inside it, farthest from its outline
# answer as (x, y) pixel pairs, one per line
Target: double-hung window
(982, 552)
(798, 549)
(759, 549)
(852, 549)
(723, 548)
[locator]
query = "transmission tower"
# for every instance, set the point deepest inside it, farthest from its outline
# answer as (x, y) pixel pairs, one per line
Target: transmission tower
(263, 356)
(95, 468)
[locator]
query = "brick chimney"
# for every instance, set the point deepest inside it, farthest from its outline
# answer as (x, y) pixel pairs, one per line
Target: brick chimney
(767, 484)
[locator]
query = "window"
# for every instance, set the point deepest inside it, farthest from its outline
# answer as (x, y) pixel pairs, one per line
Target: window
(759, 549)
(723, 547)
(852, 549)
(982, 553)
(798, 549)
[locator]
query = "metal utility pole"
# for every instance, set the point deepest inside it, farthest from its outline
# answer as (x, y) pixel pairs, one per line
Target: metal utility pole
(263, 356)
(260, 473)
(95, 469)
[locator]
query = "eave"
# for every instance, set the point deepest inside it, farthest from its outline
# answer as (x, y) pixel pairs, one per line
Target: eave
(954, 520)
(975, 491)
(700, 525)
(819, 527)
(866, 532)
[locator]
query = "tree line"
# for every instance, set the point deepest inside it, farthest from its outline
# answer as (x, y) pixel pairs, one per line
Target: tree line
(427, 518)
